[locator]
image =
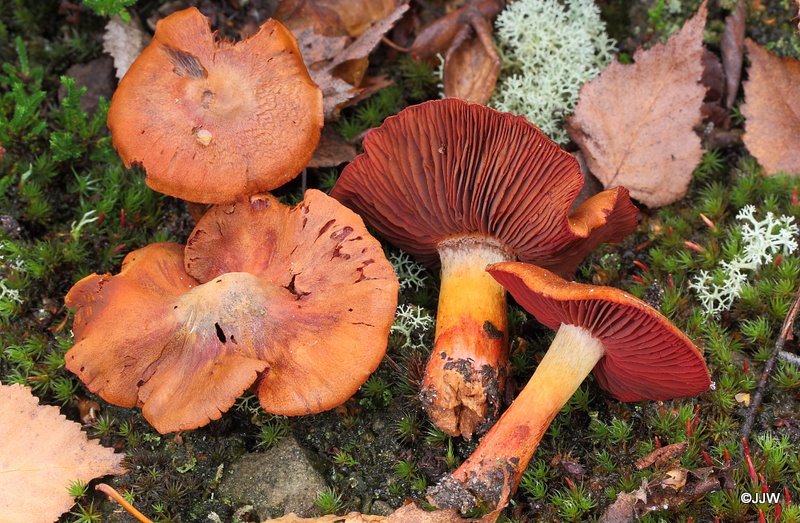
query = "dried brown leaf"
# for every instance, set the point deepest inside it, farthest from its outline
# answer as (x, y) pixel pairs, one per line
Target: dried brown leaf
(662, 456)
(299, 15)
(124, 41)
(359, 15)
(675, 478)
(337, 67)
(470, 72)
(635, 122)
(332, 150)
(732, 46)
(41, 453)
(772, 120)
(408, 513)
(713, 76)
(369, 39)
(623, 510)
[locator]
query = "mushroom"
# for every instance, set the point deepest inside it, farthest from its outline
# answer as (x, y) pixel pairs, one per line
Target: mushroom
(299, 298)
(211, 120)
(636, 354)
(463, 185)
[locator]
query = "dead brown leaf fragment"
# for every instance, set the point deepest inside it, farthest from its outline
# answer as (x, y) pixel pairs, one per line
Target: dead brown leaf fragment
(124, 41)
(332, 150)
(41, 453)
(471, 70)
(772, 118)
(336, 65)
(732, 46)
(635, 122)
(661, 456)
(464, 36)
(409, 513)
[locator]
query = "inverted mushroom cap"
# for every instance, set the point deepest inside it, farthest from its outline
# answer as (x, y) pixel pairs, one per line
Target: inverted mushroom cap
(211, 121)
(448, 168)
(646, 357)
(301, 296)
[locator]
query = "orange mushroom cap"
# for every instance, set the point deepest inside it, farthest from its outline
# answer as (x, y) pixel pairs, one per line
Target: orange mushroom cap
(210, 120)
(645, 356)
(301, 296)
(448, 168)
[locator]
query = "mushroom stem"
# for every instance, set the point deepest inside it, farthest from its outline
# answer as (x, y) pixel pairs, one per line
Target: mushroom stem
(467, 368)
(491, 474)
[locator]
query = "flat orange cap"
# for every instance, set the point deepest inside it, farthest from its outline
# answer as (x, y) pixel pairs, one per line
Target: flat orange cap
(646, 356)
(299, 300)
(211, 121)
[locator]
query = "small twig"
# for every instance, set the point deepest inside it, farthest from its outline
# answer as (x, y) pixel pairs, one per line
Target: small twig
(786, 334)
(109, 491)
(396, 47)
(789, 357)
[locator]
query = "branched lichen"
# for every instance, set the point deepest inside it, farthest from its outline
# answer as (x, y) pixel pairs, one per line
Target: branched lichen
(410, 273)
(414, 324)
(550, 49)
(762, 240)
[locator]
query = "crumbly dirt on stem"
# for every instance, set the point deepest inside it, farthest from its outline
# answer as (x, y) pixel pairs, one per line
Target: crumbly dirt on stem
(467, 369)
(488, 489)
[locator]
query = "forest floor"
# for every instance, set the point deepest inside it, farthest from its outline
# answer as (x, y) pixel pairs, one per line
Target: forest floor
(69, 208)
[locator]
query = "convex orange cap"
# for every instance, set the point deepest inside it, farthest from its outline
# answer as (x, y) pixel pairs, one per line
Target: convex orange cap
(211, 120)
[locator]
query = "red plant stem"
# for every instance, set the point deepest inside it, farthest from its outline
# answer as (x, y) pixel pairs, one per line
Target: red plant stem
(641, 265)
(693, 246)
(750, 468)
(109, 491)
(707, 459)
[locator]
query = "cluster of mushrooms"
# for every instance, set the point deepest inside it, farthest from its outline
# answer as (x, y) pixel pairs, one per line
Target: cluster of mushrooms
(297, 302)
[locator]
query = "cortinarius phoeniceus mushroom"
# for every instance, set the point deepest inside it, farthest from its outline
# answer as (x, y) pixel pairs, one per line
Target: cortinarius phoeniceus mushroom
(465, 185)
(212, 120)
(300, 298)
(636, 354)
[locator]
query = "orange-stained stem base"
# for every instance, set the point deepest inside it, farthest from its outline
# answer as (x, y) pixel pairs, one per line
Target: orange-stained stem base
(467, 369)
(492, 473)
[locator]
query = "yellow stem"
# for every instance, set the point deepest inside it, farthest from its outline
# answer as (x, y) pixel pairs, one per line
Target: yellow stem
(466, 372)
(507, 448)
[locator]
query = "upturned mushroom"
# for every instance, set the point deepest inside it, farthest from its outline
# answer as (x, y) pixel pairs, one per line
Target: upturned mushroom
(212, 120)
(298, 300)
(635, 352)
(465, 186)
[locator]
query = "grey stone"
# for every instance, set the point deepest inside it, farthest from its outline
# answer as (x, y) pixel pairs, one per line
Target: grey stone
(98, 78)
(381, 508)
(276, 482)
